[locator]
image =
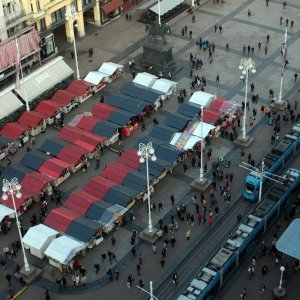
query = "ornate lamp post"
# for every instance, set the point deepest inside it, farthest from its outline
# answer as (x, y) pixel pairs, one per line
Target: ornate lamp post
(202, 145)
(145, 152)
(72, 16)
(282, 269)
(13, 188)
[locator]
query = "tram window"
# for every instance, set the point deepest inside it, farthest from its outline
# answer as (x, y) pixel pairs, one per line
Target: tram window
(289, 157)
(250, 188)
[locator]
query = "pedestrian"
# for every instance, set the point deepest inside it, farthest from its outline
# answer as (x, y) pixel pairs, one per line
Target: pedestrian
(97, 162)
(77, 279)
(97, 268)
(295, 76)
(281, 19)
(133, 74)
(252, 50)
(133, 251)
(227, 47)
(284, 4)
(242, 154)
(249, 158)
(266, 50)
(292, 24)
(162, 262)
(73, 278)
(262, 289)
(244, 49)
(172, 199)
(218, 78)
(138, 268)
(172, 241)
(72, 55)
(140, 259)
(160, 206)
(103, 256)
(252, 87)
(286, 22)
(175, 278)
(259, 46)
(267, 2)
(191, 33)
(8, 278)
(268, 38)
(243, 293)
(185, 29)
(188, 234)
(182, 31)
(216, 28)
(220, 29)
(154, 249)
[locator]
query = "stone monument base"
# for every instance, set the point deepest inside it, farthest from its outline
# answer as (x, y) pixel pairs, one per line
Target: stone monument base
(149, 237)
(158, 55)
(201, 185)
(29, 276)
(243, 142)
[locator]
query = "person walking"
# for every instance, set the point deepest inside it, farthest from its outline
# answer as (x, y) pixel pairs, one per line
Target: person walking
(8, 277)
(77, 279)
(292, 24)
(162, 262)
(281, 20)
(242, 154)
(188, 234)
(218, 78)
(97, 268)
(172, 199)
(216, 28)
(154, 249)
(295, 76)
(243, 293)
(138, 268)
(266, 50)
(263, 289)
(220, 29)
(175, 278)
(267, 3)
(284, 4)
(268, 38)
(140, 259)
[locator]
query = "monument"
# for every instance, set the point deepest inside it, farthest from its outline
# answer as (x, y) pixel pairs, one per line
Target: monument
(157, 52)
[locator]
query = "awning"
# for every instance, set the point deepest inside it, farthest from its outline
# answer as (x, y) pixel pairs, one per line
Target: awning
(85, 122)
(165, 6)
(44, 78)
(110, 68)
(165, 86)
(6, 211)
(79, 87)
(116, 172)
(189, 110)
(63, 249)
(34, 159)
(54, 167)
(210, 116)
(162, 133)
(14, 130)
(289, 242)
(145, 79)
(9, 103)
(60, 218)
(53, 146)
(120, 117)
(32, 119)
(202, 99)
(95, 77)
(17, 170)
(35, 182)
(63, 97)
(72, 154)
(103, 110)
(99, 186)
(105, 129)
(147, 4)
(120, 195)
(4, 141)
(177, 121)
(80, 201)
(48, 107)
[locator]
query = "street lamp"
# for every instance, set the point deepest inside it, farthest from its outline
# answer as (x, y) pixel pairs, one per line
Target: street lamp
(247, 65)
(280, 102)
(14, 188)
(282, 269)
(201, 158)
(150, 293)
(159, 18)
(145, 152)
(72, 16)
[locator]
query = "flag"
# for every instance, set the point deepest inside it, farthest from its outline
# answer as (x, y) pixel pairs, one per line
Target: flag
(18, 65)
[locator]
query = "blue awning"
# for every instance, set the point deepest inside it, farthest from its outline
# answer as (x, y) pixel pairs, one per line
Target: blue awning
(19, 171)
(167, 153)
(120, 195)
(177, 121)
(120, 117)
(162, 133)
(4, 141)
(135, 181)
(105, 128)
(53, 146)
(189, 110)
(34, 160)
(96, 211)
(289, 242)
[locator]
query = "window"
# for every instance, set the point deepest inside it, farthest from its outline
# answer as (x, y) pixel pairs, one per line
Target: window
(31, 6)
(38, 6)
(42, 24)
(58, 15)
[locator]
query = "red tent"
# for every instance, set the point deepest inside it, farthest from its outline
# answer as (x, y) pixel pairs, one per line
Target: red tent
(13, 130)
(88, 122)
(130, 158)
(48, 107)
(80, 201)
(79, 87)
(18, 201)
(54, 167)
(210, 116)
(217, 104)
(35, 182)
(31, 119)
(60, 218)
(103, 110)
(117, 171)
(63, 97)
(80, 137)
(99, 186)
(72, 154)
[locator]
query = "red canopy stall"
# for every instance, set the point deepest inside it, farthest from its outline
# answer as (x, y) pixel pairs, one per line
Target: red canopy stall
(15, 131)
(66, 99)
(61, 218)
(80, 201)
(130, 158)
(210, 116)
(117, 171)
(99, 186)
(103, 110)
(82, 138)
(82, 89)
(50, 109)
(87, 122)
(34, 120)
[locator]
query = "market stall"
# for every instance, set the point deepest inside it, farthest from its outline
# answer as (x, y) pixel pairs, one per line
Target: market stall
(62, 250)
(82, 138)
(177, 121)
(7, 146)
(162, 133)
(16, 131)
(189, 110)
(82, 89)
(80, 201)
(99, 186)
(65, 99)
(165, 86)
(102, 110)
(202, 99)
(97, 79)
(50, 109)
(111, 70)
(16, 170)
(108, 130)
(211, 116)
(6, 215)
(107, 214)
(38, 238)
(145, 79)
(35, 121)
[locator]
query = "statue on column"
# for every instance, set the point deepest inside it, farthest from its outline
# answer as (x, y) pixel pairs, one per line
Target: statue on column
(156, 31)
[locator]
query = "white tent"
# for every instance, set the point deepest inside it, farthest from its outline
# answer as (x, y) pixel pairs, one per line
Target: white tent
(202, 99)
(145, 79)
(95, 77)
(62, 250)
(205, 130)
(110, 68)
(6, 211)
(38, 238)
(165, 86)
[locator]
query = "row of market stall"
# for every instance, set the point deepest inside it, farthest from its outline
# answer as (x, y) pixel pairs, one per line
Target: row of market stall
(47, 112)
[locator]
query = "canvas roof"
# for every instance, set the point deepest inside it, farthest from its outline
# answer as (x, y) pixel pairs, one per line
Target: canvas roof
(120, 194)
(103, 110)
(177, 121)
(202, 99)
(6, 211)
(47, 107)
(110, 68)
(31, 118)
(35, 182)
(79, 87)
(164, 85)
(145, 79)
(17, 170)
(34, 159)
(4, 141)
(99, 186)
(63, 97)
(13, 130)
(162, 133)
(54, 167)
(105, 128)
(94, 77)
(53, 146)
(189, 110)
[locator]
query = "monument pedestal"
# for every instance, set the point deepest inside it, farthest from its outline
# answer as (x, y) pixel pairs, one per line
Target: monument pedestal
(279, 293)
(149, 237)
(243, 142)
(279, 105)
(201, 185)
(158, 55)
(29, 276)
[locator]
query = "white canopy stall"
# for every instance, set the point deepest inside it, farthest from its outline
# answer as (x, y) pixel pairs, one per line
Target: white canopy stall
(165, 6)
(62, 250)
(202, 99)
(38, 238)
(145, 79)
(96, 78)
(165, 86)
(111, 70)
(6, 214)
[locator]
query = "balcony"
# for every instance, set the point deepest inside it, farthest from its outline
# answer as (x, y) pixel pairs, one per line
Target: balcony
(17, 19)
